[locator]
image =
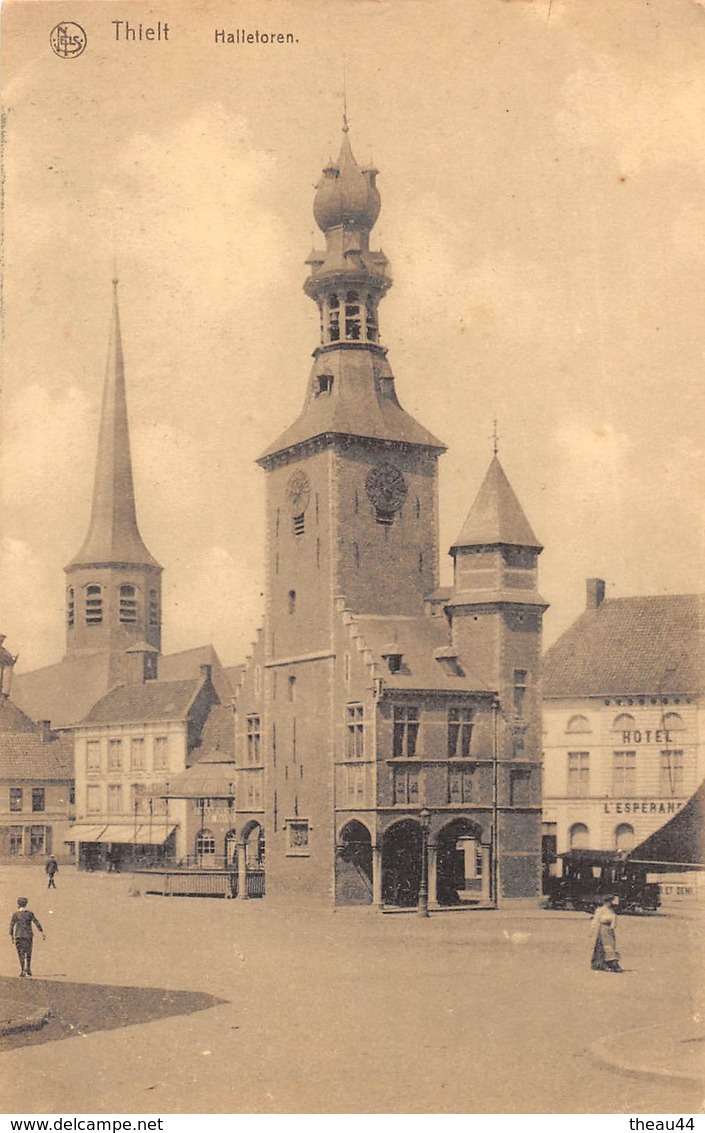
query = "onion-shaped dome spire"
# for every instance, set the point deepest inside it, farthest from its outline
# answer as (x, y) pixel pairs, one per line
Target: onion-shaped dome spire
(346, 194)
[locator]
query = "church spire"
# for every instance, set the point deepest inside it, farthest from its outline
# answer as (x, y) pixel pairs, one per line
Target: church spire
(113, 592)
(113, 535)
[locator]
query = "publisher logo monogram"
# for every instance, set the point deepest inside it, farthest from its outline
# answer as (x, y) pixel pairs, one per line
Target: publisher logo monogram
(68, 40)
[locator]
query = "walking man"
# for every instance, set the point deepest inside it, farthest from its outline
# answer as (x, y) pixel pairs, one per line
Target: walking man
(51, 869)
(22, 933)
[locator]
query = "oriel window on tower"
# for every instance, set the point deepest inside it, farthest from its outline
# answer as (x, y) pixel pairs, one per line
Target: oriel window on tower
(520, 689)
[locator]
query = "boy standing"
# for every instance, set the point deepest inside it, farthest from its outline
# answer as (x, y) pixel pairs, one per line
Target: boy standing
(22, 933)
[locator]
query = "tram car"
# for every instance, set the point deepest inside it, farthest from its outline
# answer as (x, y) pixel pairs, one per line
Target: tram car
(587, 876)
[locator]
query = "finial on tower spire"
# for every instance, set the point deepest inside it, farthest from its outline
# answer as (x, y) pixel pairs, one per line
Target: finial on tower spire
(346, 126)
(495, 438)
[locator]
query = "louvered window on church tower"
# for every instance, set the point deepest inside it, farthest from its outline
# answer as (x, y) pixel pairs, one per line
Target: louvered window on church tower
(333, 318)
(94, 605)
(71, 607)
(353, 321)
(153, 608)
(299, 524)
(128, 604)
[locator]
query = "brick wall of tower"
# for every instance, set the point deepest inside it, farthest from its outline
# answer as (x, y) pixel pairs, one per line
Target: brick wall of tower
(299, 578)
(385, 569)
(502, 641)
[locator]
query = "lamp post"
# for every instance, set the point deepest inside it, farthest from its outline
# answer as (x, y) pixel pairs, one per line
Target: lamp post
(166, 852)
(231, 804)
(425, 819)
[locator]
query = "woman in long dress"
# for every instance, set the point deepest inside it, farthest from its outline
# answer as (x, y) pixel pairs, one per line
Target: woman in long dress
(605, 957)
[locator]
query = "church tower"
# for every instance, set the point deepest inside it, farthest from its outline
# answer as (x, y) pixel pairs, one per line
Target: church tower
(352, 484)
(113, 584)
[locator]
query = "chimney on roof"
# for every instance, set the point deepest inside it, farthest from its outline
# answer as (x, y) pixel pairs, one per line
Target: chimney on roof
(206, 671)
(595, 593)
(44, 729)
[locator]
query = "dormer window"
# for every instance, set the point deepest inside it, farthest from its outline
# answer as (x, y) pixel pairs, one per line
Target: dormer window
(94, 605)
(393, 655)
(128, 604)
(324, 384)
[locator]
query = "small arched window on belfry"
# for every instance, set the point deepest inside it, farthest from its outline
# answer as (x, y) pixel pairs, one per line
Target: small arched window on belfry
(71, 607)
(353, 321)
(128, 604)
(333, 318)
(94, 604)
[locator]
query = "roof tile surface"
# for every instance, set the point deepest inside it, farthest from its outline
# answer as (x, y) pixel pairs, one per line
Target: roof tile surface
(631, 645)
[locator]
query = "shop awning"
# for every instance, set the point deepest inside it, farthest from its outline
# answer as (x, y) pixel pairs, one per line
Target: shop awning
(84, 833)
(142, 835)
(680, 843)
(156, 836)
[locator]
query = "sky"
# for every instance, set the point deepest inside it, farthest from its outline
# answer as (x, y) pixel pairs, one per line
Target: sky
(542, 170)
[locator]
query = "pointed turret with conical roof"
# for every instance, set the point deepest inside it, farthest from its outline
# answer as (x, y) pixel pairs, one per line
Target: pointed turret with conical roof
(496, 516)
(495, 609)
(113, 584)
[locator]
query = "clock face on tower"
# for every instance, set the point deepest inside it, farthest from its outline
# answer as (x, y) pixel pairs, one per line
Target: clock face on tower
(386, 487)
(298, 492)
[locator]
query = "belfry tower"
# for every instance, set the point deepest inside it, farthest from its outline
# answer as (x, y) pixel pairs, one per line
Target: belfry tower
(380, 716)
(113, 584)
(352, 484)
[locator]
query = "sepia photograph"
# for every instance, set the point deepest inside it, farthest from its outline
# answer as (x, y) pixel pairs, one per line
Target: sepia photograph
(352, 639)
